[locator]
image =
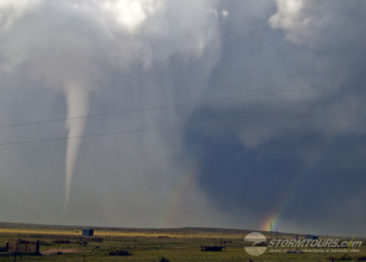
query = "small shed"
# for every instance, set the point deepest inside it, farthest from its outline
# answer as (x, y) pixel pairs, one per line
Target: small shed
(88, 232)
(311, 237)
(215, 248)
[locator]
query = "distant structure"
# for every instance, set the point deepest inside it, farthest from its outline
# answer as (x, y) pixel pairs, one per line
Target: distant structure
(88, 232)
(215, 248)
(311, 237)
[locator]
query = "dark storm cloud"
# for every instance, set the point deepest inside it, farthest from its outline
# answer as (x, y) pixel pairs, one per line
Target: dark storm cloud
(305, 176)
(303, 148)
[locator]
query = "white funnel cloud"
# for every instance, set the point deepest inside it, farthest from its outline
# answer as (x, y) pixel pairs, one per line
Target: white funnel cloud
(85, 48)
(77, 105)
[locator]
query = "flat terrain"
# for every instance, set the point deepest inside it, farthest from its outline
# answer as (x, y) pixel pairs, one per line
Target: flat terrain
(65, 244)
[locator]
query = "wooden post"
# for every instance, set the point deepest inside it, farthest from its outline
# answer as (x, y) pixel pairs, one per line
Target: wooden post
(37, 247)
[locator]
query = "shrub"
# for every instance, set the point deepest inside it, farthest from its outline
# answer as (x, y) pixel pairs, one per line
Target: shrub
(119, 252)
(163, 259)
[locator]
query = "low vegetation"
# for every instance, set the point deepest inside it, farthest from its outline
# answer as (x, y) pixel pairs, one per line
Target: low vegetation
(175, 245)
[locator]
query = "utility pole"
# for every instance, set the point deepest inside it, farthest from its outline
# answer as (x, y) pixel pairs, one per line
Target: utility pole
(271, 230)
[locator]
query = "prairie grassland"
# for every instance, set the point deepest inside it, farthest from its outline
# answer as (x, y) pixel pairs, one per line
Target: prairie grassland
(23, 229)
(181, 245)
(114, 233)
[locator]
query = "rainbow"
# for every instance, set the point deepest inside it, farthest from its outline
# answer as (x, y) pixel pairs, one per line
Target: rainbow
(176, 200)
(273, 220)
(271, 223)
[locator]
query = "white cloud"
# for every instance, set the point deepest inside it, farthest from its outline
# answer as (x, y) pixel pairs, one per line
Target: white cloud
(319, 24)
(287, 15)
(11, 10)
(129, 14)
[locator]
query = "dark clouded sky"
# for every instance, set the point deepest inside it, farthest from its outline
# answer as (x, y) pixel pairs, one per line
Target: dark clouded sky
(231, 113)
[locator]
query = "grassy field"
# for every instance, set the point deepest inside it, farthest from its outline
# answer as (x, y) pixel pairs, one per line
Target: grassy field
(145, 245)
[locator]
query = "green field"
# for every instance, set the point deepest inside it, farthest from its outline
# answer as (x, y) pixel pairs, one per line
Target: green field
(146, 245)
